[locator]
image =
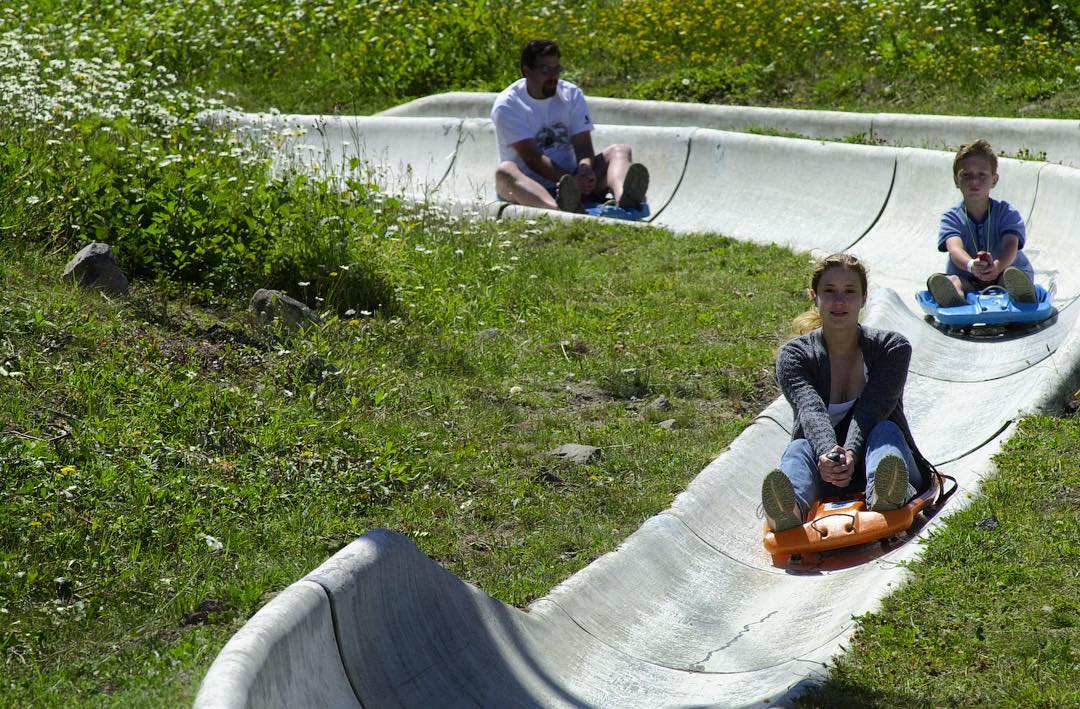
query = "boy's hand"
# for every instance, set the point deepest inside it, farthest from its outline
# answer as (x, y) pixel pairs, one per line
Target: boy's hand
(983, 269)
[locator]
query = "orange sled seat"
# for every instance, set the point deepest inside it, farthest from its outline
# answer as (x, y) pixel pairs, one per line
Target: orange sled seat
(835, 523)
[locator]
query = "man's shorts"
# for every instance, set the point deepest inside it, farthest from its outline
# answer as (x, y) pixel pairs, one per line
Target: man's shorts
(551, 191)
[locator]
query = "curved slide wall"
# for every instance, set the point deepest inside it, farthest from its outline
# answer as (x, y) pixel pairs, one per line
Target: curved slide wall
(1054, 140)
(689, 611)
(408, 156)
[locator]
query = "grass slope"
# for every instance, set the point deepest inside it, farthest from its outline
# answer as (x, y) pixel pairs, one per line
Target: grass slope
(164, 466)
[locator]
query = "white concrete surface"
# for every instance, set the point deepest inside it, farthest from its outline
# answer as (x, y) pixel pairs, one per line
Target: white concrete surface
(689, 611)
(286, 656)
(1049, 139)
(801, 193)
(411, 156)
(1054, 230)
(1053, 140)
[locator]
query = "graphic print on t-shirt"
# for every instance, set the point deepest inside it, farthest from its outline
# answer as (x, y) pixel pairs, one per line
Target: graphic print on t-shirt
(555, 134)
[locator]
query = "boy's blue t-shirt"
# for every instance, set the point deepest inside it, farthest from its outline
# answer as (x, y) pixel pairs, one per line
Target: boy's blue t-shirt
(1001, 219)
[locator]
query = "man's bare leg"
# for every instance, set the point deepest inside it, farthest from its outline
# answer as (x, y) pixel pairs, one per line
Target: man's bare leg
(515, 186)
(616, 160)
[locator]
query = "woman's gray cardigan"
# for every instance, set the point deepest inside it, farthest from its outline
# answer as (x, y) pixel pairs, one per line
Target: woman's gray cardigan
(804, 375)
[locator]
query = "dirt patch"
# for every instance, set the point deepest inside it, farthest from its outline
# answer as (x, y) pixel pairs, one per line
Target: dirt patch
(502, 537)
(586, 394)
(219, 351)
(196, 338)
(1065, 498)
(574, 347)
(209, 610)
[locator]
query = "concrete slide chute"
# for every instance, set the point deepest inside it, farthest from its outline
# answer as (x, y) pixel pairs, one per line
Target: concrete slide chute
(800, 193)
(287, 655)
(409, 156)
(689, 610)
(1054, 231)
(1054, 140)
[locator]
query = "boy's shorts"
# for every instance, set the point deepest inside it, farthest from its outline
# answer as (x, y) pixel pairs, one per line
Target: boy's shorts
(978, 283)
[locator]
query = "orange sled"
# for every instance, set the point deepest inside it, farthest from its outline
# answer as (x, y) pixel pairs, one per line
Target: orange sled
(835, 523)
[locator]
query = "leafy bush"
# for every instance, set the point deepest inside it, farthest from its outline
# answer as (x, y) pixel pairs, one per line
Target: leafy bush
(191, 207)
(1059, 21)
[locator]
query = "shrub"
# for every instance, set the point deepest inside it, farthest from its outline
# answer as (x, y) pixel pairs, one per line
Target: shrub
(190, 206)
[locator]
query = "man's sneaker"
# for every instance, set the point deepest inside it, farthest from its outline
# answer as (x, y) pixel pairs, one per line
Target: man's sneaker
(890, 484)
(778, 502)
(567, 195)
(1020, 287)
(634, 187)
(944, 291)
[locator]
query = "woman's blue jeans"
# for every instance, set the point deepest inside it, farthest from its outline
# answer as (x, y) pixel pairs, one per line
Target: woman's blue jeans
(800, 465)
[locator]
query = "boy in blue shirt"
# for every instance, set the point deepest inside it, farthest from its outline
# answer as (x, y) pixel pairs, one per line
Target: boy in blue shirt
(984, 237)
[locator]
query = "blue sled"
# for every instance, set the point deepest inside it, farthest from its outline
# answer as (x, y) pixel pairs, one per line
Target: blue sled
(991, 306)
(612, 211)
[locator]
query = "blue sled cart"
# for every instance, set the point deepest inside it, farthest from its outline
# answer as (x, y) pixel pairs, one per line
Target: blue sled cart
(991, 306)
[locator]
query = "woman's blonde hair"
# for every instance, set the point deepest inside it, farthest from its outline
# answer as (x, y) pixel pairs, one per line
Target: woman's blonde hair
(811, 319)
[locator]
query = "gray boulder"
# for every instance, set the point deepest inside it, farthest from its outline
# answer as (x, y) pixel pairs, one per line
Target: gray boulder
(575, 452)
(95, 267)
(661, 403)
(272, 305)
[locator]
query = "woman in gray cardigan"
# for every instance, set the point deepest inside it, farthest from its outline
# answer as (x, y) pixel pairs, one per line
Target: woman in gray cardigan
(845, 384)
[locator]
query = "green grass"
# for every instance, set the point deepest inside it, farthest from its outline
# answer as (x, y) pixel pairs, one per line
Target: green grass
(134, 428)
(137, 435)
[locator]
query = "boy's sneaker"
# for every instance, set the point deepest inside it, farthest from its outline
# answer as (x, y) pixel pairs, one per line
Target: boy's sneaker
(1020, 287)
(778, 501)
(944, 291)
(567, 195)
(635, 185)
(890, 484)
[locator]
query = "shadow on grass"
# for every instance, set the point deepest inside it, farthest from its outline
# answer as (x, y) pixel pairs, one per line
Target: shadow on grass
(845, 694)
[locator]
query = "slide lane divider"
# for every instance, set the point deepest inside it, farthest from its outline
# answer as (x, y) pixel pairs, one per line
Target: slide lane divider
(679, 182)
(877, 217)
(336, 621)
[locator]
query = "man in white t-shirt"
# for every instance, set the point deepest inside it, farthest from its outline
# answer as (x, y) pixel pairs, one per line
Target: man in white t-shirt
(546, 156)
